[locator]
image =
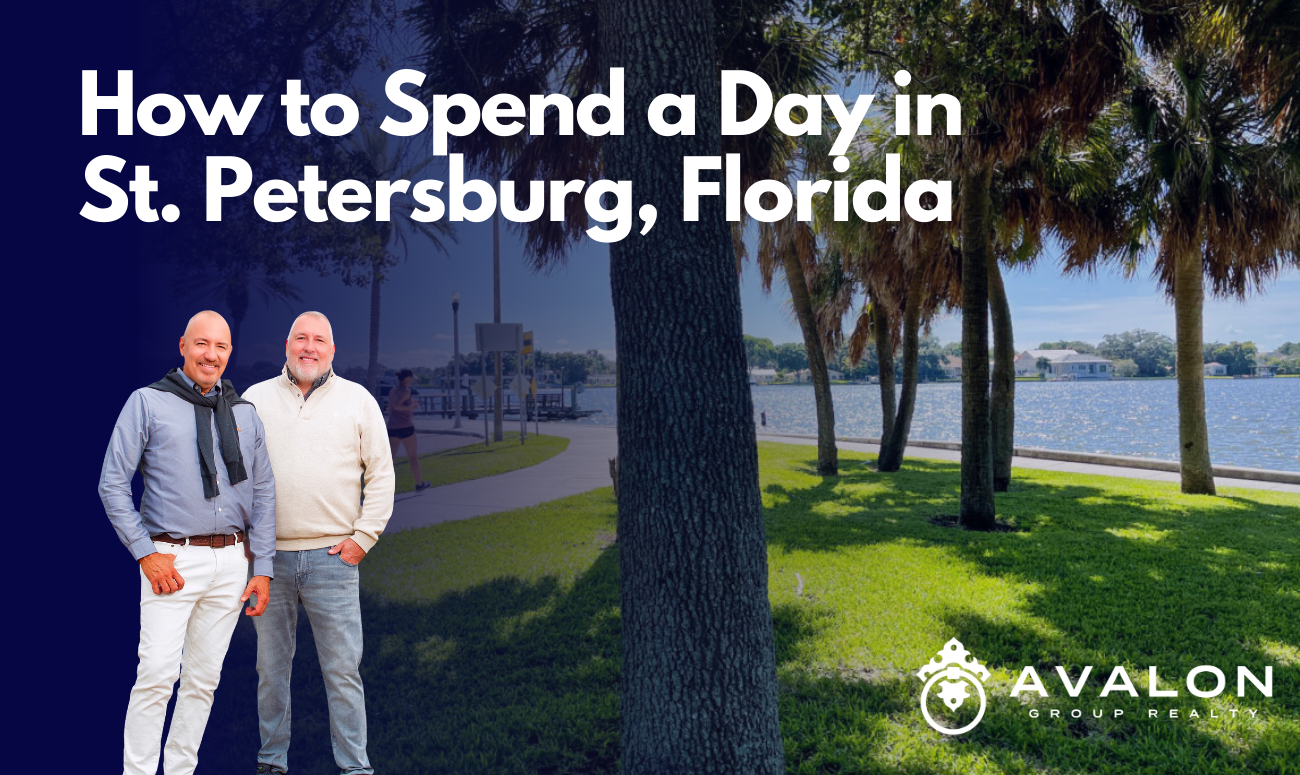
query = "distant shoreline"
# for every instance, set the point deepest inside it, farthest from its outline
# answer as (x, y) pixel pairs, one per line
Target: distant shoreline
(1018, 379)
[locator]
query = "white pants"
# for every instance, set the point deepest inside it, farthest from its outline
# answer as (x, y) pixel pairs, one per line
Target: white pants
(193, 625)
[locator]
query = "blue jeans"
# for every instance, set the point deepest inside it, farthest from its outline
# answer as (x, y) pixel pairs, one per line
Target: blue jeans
(327, 587)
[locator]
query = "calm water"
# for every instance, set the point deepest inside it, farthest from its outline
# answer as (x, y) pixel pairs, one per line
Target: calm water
(1253, 422)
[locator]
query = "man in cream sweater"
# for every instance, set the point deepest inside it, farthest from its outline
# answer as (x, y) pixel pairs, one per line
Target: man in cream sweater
(327, 441)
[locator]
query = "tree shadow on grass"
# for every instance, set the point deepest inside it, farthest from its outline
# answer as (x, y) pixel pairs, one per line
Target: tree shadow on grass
(1113, 573)
(833, 720)
(1118, 730)
(506, 676)
(512, 676)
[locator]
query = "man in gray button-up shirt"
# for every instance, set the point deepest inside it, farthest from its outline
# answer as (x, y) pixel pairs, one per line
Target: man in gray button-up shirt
(208, 510)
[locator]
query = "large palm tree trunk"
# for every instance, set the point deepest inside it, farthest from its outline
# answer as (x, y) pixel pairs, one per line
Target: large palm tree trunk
(699, 661)
(977, 509)
(1193, 435)
(827, 455)
(891, 454)
(881, 329)
(1003, 410)
(372, 363)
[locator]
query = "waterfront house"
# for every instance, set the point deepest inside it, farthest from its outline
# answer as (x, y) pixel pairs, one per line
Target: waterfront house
(1063, 364)
(1080, 366)
(762, 376)
(601, 380)
(1027, 361)
(1215, 369)
(951, 365)
(805, 375)
(1262, 369)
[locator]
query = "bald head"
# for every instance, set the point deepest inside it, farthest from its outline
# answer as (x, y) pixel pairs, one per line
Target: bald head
(207, 316)
(205, 348)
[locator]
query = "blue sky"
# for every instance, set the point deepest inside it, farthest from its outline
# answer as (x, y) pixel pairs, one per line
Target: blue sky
(569, 308)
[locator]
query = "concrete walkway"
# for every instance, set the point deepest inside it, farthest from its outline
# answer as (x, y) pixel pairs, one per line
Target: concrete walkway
(1042, 464)
(584, 466)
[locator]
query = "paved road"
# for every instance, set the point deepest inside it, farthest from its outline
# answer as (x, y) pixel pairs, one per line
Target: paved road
(585, 466)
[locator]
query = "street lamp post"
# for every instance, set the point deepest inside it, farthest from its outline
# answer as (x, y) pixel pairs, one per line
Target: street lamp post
(455, 349)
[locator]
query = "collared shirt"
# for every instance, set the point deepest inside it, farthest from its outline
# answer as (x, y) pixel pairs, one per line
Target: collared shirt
(319, 381)
(156, 433)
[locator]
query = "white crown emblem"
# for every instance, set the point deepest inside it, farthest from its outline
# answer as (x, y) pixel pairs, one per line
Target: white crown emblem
(954, 669)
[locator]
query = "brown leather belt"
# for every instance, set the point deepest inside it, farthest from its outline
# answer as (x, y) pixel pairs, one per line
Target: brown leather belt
(215, 541)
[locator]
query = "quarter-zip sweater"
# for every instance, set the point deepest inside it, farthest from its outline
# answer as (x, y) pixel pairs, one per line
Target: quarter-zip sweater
(326, 451)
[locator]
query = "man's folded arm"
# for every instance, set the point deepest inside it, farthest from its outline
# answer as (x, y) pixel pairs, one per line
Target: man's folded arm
(125, 447)
(261, 526)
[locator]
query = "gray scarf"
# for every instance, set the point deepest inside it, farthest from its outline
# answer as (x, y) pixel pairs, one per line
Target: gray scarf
(204, 406)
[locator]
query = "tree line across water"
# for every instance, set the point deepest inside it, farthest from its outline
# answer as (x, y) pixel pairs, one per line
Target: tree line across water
(1136, 353)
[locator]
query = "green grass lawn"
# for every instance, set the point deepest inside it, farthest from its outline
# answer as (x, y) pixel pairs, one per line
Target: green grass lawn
(492, 644)
(476, 461)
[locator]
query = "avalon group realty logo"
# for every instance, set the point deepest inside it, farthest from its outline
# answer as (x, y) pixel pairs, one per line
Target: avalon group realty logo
(953, 670)
(950, 677)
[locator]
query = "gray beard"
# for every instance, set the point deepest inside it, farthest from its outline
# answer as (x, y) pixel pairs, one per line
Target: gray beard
(321, 368)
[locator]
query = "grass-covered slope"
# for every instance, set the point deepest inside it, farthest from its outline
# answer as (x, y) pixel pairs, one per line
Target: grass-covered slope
(492, 644)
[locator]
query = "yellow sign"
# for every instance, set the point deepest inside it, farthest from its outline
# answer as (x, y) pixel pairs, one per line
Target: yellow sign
(528, 342)
(532, 387)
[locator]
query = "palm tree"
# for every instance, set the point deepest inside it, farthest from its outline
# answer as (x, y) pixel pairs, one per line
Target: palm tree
(1002, 388)
(1079, 54)
(793, 245)
(910, 277)
(1069, 191)
(1264, 39)
(843, 278)
(1222, 198)
(1018, 72)
(687, 458)
(905, 285)
(879, 318)
(694, 475)
(372, 152)
(482, 48)
(908, 271)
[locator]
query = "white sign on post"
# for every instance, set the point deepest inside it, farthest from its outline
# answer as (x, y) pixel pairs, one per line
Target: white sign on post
(499, 337)
(502, 338)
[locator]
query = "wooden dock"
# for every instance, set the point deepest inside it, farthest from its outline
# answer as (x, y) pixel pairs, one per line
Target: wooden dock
(548, 405)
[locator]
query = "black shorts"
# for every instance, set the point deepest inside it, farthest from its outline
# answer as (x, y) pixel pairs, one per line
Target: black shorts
(401, 433)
